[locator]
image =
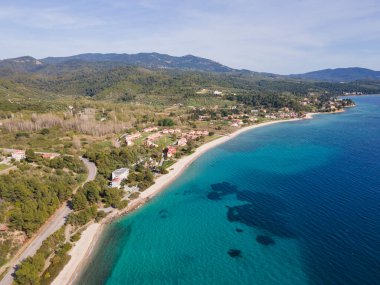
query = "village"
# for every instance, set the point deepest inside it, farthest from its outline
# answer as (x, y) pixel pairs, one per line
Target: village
(170, 143)
(173, 142)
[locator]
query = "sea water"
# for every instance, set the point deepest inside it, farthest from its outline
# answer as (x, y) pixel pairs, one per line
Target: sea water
(291, 203)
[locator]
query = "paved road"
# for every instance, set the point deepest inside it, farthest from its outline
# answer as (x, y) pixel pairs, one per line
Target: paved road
(52, 225)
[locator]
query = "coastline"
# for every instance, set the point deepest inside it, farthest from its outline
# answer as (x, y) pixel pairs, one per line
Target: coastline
(90, 236)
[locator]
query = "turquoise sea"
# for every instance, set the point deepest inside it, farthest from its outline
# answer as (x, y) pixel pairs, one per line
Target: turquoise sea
(292, 203)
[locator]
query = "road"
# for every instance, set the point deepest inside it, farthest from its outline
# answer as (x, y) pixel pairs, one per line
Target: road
(54, 223)
(6, 171)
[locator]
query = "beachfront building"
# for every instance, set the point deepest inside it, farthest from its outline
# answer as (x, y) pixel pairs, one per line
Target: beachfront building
(118, 176)
(182, 142)
(193, 135)
(18, 154)
(171, 151)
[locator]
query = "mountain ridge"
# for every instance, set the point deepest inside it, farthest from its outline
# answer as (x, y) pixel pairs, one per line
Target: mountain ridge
(347, 74)
(188, 62)
(149, 60)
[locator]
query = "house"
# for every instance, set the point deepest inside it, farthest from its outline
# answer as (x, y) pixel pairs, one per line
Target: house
(202, 133)
(204, 118)
(149, 143)
(182, 142)
(116, 182)
(218, 93)
(130, 138)
(151, 129)
(171, 131)
(3, 228)
(154, 136)
(18, 154)
(171, 151)
(48, 155)
(118, 176)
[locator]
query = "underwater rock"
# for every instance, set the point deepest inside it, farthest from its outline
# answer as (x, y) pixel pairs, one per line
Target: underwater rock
(265, 240)
(221, 189)
(234, 253)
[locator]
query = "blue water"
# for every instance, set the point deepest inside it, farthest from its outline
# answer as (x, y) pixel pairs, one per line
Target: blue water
(292, 203)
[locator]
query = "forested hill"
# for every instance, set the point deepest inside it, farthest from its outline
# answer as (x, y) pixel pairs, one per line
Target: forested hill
(340, 75)
(107, 77)
(146, 60)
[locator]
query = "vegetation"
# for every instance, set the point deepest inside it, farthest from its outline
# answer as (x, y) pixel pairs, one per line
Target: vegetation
(30, 195)
(31, 268)
(89, 108)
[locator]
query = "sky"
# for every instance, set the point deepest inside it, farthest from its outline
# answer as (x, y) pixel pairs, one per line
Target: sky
(279, 36)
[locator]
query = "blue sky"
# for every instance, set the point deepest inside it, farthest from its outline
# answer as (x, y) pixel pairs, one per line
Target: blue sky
(273, 35)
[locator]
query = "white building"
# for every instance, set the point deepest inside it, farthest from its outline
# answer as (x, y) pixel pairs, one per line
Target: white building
(182, 142)
(118, 176)
(18, 154)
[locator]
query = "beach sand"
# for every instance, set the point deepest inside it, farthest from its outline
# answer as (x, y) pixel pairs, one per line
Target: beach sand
(79, 253)
(82, 249)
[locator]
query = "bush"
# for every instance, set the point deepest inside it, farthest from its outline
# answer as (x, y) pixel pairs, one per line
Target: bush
(75, 237)
(166, 122)
(44, 131)
(99, 216)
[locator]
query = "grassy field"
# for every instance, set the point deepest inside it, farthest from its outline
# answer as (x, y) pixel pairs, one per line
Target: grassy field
(4, 166)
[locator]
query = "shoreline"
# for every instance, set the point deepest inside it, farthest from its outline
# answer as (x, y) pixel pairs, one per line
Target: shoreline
(82, 249)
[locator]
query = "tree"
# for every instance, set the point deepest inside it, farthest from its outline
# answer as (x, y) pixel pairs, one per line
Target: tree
(30, 155)
(79, 201)
(27, 273)
(92, 191)
(166, 122)
(112, 197)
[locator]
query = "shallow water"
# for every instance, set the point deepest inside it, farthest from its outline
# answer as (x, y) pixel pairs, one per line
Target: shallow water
(292, 203)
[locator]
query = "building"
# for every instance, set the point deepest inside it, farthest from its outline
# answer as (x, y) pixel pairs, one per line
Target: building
(3, 228)
(182, 142)
(151, 129)
(118, 176)
(130, 138)
(218, 93)
(171, 131)
(154, 136)
(116, 182)
(149, 143)
(171, 151)
(18, 154)
(48, 155)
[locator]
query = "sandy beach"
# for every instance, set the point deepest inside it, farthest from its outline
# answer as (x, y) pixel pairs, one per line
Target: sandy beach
(82, 249)
(78, 254)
